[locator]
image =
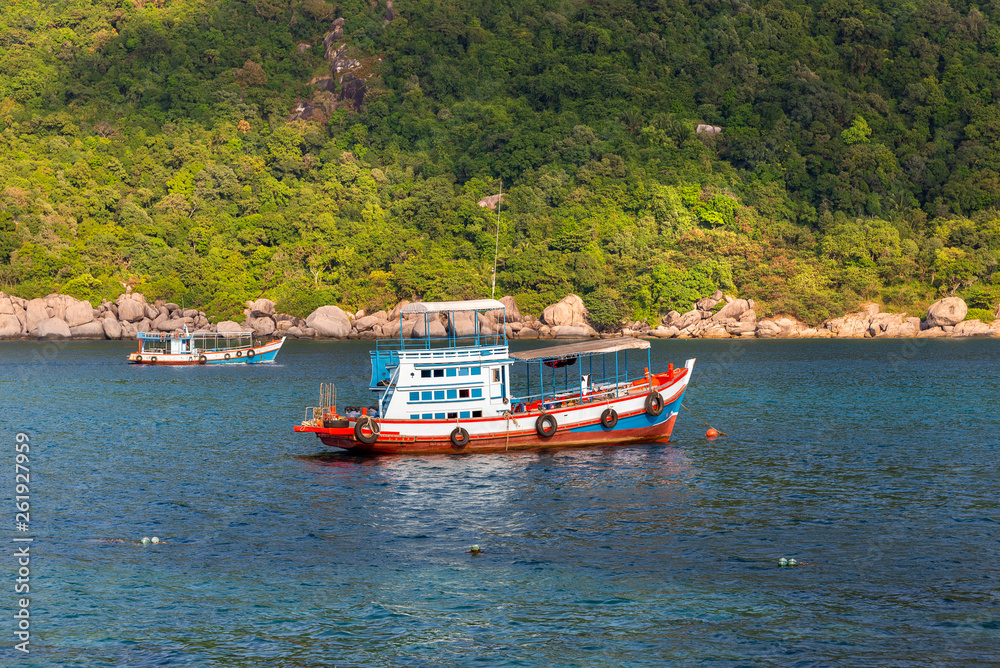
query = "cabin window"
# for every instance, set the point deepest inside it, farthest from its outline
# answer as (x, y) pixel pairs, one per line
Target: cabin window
(464, 371)
(428, 416)
(425, 373)
(438, 395)
(425, 396)
(463, 394)
(439, 373)
(439, 416)
(477, 371)
(414, 396)
(476, 414)
(414, 417)
(452, 416)
(496, 375)
(451, 372)
(464, 414)
(477, 393)
(453, 394)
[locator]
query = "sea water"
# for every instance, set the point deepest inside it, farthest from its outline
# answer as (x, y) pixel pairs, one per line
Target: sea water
(872, 463)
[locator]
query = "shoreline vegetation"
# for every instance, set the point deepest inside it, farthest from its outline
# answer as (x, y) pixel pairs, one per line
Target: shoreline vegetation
(717, 316)
(812, 155)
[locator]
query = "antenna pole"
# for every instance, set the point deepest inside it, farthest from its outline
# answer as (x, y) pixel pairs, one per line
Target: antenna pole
(496, 248)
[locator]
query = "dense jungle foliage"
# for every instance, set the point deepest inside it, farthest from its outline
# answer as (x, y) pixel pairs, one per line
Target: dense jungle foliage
(147, 142)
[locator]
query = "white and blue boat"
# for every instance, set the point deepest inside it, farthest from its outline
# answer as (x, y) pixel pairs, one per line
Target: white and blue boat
(467, 392)
(183, 348)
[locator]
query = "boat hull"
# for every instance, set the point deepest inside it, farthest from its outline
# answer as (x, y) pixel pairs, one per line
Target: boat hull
(262, 354)
(578, 426)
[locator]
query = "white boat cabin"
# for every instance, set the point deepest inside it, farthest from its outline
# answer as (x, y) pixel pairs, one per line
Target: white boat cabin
(464, 375)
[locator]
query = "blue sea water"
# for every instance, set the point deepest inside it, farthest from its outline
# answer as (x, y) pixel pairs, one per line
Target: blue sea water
(873, 462)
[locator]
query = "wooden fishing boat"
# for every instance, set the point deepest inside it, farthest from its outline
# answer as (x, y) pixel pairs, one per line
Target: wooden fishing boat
(458, 393)
(183, 348)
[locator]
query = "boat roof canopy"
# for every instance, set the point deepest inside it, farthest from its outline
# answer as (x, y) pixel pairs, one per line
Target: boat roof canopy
(444, 307)
(596, 347)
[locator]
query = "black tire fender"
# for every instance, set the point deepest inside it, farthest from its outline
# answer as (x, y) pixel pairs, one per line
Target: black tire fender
(654, 403)
(546, 425)
(459, 437)
(153, 358)
(251, 353)
(609, 418)
(365, 422)
(202, 359)
(228, 356)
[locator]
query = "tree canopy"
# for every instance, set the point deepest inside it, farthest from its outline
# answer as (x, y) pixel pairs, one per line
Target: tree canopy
(152, 143)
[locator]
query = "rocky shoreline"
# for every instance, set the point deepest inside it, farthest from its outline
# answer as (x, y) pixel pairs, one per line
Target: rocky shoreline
(715, 317)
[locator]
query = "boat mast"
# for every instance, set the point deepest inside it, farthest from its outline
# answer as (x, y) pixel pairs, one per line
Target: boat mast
(496, 248)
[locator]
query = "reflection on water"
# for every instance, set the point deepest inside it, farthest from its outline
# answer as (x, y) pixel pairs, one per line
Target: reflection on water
(873, 462)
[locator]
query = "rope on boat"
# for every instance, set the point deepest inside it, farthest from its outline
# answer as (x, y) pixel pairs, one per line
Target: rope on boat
(507, 414)
(721, 433)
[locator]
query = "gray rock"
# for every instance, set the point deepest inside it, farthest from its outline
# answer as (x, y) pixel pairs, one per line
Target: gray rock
(175, 324)
(971, 328)
(150, 311)
(571, 332)
(513, 313)
(688, 319)
(91, 330)
(706, 304)
(228, 326)
(10, 327)
(78, 314)
(567, 311)
(53, 328)
(365, 323)
(37, 312)
(293, 331)
(717, 295)
(190, 313)
(112, 328)
(6, 305)
(263, 326)
(434, 328)
(131, 311)
(144, 325)
(262, 307)
(946, 312)
(733, 309)
(665, 332)
(170, 306)
(464, 325)
(329, 321)
(767, 329)
(671, 319)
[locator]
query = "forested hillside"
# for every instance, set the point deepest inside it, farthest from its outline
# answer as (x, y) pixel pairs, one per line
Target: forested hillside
(149, 143)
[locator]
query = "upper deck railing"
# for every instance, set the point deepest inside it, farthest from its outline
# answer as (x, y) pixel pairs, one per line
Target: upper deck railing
(478, 337)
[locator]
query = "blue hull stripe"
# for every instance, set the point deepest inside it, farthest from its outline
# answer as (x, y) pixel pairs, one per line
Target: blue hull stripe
(637, 421)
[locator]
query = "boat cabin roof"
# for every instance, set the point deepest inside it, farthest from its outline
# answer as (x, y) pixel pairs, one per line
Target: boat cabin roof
(444, 307)
(160, 336)
(596, 347)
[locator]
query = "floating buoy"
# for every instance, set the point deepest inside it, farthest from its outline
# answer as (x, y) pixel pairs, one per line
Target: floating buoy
(711, 433)
(782, 562)
(154, 539)
(145, 540)
(792, 562)
(474, 549)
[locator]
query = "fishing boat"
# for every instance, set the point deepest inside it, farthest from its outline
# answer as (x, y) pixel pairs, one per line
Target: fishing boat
(460, 393)
(184, 348)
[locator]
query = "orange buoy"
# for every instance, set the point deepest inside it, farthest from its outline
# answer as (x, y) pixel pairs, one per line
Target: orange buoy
(711, 433)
